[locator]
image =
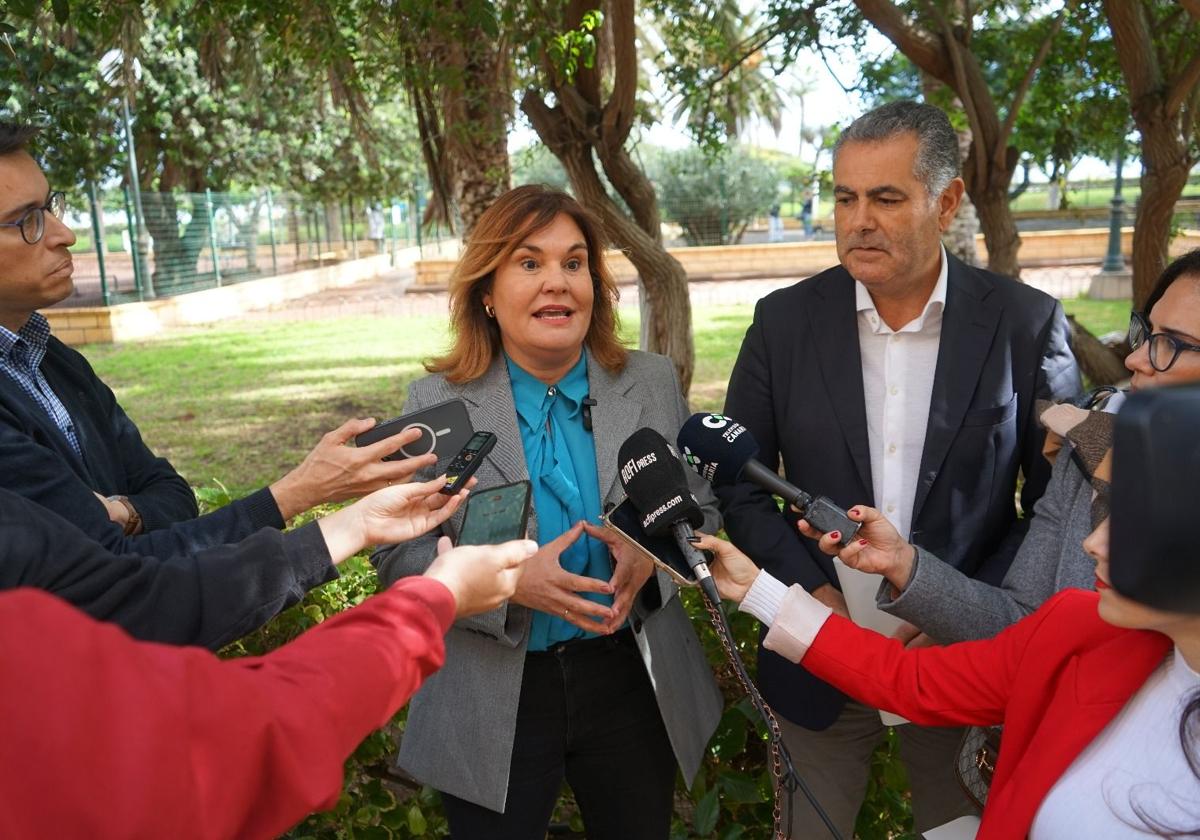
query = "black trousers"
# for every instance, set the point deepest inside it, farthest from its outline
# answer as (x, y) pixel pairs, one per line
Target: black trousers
(587, 714)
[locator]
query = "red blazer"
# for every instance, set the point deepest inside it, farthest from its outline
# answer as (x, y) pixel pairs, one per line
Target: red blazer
(102, 736)
(1054, 679)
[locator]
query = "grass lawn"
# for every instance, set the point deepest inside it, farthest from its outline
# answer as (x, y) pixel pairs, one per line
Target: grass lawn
(241, 405)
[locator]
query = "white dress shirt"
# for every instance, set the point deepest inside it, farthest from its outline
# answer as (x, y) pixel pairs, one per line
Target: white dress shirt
(897, 368)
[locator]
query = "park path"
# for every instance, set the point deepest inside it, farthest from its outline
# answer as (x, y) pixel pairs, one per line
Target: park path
(390, 294)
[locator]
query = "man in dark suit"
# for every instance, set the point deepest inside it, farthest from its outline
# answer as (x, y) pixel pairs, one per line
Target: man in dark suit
(903, 379)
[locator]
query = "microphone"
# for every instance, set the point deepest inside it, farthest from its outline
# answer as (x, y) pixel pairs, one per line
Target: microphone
(656, 484)
(722, 451)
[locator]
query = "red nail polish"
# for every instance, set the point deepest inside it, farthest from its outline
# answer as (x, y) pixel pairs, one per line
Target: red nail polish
(835, 535)
(862, 542)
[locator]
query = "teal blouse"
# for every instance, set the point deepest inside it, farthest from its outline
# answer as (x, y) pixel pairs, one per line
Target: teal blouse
(561, 459)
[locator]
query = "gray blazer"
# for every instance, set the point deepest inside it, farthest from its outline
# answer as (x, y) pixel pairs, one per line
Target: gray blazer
(462, 722)
(952, 607)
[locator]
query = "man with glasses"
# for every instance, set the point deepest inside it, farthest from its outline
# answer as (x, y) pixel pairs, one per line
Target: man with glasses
(65, 442)
(900, 378)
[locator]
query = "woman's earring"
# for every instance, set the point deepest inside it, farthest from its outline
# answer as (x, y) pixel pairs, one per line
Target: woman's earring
(491, 312)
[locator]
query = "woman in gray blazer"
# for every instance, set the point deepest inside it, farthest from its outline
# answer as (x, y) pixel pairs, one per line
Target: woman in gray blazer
(591, 672)
(950, 607)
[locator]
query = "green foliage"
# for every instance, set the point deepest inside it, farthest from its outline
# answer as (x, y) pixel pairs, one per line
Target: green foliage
(575, 48)
(715, 213)
(718, 62)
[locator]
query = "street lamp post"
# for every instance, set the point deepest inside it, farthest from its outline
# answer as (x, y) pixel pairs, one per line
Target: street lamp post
(1114, 281)
(1113, 261)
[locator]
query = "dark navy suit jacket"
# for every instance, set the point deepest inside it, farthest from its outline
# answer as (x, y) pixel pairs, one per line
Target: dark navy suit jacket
(797, 385)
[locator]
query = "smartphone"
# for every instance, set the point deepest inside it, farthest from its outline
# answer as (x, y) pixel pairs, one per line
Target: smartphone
(665, 554)
(445, 429)
(496, 515)
(467, 461)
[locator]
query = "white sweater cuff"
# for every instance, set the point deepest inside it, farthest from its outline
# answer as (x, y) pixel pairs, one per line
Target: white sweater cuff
(799, 618)
(763, 598)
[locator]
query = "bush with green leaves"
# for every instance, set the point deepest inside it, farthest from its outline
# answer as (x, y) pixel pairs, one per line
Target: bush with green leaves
(714, 198)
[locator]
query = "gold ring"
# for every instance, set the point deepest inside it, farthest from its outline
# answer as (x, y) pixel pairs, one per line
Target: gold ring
(566, 613)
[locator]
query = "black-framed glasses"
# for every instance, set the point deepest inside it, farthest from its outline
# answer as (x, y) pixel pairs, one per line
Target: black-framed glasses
(33, 224)
(1164, 348)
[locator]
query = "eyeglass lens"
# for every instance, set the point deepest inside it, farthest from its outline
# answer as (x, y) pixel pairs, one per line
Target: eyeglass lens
(1164, 349)
(33, 225)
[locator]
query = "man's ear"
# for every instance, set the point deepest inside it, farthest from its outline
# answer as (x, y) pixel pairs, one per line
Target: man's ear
(949, 201)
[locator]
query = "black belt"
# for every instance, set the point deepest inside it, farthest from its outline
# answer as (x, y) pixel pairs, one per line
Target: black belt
(587, 646)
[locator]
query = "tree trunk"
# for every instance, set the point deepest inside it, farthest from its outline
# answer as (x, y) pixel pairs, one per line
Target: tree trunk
(476, 108)
(959, 238)
(1165, 167)
(1164, 95)
(1099, 363)
(999, 230)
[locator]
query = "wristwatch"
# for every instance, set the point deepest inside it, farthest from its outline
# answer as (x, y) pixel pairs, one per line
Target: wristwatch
(134, 523)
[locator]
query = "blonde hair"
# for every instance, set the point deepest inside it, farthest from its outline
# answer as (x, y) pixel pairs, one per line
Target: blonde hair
(513, 217)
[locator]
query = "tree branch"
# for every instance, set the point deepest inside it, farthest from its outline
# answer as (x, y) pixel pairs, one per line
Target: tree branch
(1193, 8)
(1135, 49)
(1187, 81)
(618, 113)
(1027, 82)
(965, 95)
(916, 44)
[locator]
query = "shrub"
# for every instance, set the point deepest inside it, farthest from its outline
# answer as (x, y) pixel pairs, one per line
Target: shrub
(714, 199)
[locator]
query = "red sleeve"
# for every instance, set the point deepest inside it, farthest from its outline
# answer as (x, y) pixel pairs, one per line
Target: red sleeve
(961, 684)
(102, 732)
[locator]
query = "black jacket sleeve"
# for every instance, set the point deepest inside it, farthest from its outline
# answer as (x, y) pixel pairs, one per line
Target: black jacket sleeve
(209, 598)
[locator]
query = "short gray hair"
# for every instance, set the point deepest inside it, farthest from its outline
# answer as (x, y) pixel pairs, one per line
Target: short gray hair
(937, 161)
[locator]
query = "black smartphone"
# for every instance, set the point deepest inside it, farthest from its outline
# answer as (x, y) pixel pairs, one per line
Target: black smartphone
(445, 429)
(467, 461)
(626, 523)
(496, 515)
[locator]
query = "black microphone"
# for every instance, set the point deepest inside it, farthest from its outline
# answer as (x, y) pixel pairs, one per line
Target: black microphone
(656, 484)
(723, 451)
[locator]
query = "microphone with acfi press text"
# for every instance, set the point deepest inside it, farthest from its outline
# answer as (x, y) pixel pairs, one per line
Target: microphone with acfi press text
(722, 451)
(655, 482)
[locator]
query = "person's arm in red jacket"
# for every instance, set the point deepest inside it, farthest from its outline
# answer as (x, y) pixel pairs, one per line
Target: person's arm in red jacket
(104, 736)
(967, 683)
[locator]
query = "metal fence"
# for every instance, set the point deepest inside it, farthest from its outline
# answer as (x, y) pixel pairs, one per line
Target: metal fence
(192, 241)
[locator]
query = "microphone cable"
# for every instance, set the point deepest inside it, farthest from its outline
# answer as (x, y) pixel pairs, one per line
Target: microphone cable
(784, 772)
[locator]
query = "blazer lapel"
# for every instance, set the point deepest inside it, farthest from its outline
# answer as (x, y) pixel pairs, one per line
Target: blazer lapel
(614, 418)
(968, 326)
(490, 405)
(835, 328)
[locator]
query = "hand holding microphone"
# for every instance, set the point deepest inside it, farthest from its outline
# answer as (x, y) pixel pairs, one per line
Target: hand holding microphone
(877, 548)
(723, 451)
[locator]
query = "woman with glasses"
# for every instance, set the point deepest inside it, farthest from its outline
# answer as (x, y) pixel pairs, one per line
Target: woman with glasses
(950, 607)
